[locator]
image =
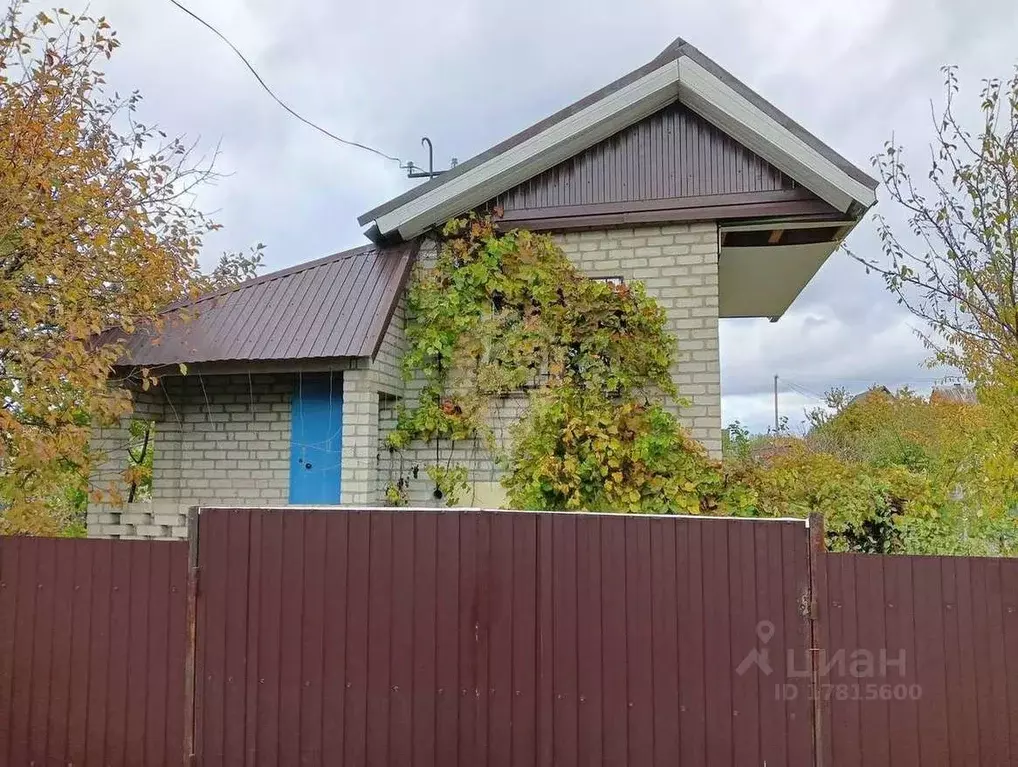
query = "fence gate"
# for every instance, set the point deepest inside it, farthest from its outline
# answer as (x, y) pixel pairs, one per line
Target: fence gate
(348, 637)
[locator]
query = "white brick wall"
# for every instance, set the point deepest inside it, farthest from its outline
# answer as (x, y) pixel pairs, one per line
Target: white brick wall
(360, 438)
(388, 363)
(224, 440)
(154, 519)
(108, 444)
(678, 265)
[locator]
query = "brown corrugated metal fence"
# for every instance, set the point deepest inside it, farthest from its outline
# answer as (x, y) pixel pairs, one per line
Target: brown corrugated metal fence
(473, 638)
(922, 655)
(369, 637)
(92, 645)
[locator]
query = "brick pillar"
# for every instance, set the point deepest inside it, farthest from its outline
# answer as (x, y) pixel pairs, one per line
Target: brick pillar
(700, 352)
(360, 438)
(108, 444)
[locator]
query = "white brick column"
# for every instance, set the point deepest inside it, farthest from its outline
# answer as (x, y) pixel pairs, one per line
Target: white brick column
(360, 438)
(109, 448)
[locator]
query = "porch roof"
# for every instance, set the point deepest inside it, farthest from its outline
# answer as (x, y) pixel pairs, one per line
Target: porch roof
(335, 307)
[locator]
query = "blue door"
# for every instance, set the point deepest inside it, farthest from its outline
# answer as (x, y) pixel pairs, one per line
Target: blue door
(316, 438)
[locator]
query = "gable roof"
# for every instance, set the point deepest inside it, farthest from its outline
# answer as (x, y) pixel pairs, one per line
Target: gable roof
(680, 73)
(337, 306)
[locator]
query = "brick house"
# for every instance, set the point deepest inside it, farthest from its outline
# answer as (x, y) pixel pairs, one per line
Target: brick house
(676, 175)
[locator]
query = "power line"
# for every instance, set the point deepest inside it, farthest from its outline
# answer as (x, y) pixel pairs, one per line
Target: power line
(802, 390)
(276, 98)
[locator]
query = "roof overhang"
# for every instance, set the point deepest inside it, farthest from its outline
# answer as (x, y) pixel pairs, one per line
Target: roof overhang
(690, 78)
(764, 280)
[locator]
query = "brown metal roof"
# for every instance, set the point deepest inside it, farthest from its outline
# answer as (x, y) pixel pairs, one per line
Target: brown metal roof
(337, 306)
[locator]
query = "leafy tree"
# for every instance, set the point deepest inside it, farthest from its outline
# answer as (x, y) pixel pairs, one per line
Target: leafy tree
(98, 231)
(956, 268)
(890, 471)
(958, 271)
(736, 442)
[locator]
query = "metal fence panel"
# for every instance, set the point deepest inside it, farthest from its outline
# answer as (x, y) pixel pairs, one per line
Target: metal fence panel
(92, 645)
(922, 655)
(357, 637)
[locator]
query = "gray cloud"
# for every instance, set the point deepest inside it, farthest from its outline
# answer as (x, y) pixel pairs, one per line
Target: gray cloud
(468, 74)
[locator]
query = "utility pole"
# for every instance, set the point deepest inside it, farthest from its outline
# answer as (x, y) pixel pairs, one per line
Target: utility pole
(776, 424)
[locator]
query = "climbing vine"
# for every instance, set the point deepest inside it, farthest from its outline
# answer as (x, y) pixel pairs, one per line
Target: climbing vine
(501, 315)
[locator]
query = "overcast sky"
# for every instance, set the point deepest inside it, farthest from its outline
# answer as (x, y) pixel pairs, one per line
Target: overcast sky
(469, 73)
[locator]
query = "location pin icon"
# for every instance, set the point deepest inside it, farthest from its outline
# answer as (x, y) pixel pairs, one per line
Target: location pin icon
(765, 631)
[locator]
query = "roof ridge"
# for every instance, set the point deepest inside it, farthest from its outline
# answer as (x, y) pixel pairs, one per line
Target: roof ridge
(672, 51)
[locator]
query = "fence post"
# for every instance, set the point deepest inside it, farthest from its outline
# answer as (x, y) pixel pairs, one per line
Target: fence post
(191, 648)
(817, 643)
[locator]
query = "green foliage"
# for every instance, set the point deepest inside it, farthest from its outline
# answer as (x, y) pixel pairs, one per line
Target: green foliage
(582, 449)
(858, 503)
(75, 529)
(737, 443)
(954, 265)
(396, 493)
(450, 482)
(98, 232)
(506, 315)
(141, 452)
(890, 472)
(500, 314)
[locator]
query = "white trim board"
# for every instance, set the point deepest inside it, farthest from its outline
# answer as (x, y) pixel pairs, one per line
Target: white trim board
(682, 79)
(719, 104)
